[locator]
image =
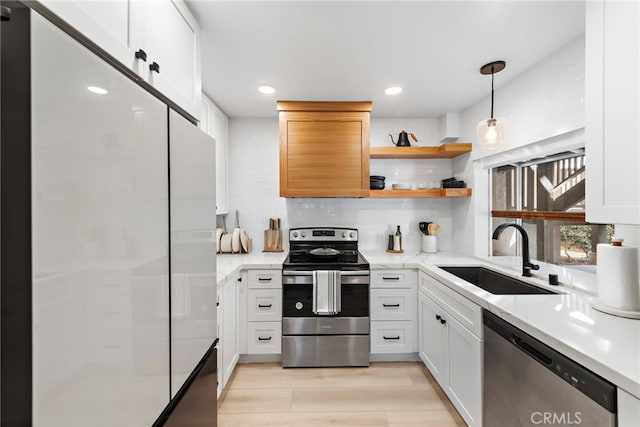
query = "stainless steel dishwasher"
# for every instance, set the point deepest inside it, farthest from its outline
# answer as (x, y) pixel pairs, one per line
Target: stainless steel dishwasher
(527, 383)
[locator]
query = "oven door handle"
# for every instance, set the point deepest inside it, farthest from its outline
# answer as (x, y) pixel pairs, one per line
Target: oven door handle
(310, 273)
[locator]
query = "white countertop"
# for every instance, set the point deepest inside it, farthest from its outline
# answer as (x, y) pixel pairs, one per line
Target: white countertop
(606, 344)
(228, 264)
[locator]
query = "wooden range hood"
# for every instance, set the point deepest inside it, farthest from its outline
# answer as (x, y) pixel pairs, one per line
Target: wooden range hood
(324, 149)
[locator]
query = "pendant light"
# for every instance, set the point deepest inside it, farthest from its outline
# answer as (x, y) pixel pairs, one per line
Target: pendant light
(491, 132)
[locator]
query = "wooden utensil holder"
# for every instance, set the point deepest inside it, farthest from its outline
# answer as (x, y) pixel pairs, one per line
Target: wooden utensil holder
(272, 240)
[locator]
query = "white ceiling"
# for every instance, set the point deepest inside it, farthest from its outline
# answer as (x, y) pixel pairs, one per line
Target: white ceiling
(353, 50)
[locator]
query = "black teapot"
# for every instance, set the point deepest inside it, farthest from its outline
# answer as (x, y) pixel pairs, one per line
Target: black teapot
(403, 139)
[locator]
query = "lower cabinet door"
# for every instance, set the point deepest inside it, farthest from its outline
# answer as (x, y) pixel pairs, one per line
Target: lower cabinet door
(230, 331)
(432, 337)
(392, 337)
(464, 381)
(264, 338)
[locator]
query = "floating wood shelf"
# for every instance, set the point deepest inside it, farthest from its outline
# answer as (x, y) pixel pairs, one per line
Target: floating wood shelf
(434, 192)
(444, 151)
(541, 215)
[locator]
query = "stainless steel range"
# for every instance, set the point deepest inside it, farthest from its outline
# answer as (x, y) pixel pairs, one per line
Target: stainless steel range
(325, 308)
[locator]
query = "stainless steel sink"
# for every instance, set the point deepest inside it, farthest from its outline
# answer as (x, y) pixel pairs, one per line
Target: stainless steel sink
(494, 282)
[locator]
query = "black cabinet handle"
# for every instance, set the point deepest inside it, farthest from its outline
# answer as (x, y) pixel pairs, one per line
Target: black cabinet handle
(217, 304)
(239, 279)
(264, 279)
(264, 339)
(391, 338)
(264, 305)
(155, 67)
(443, 321)
(141, 54)
(390, 278)
(391, 305)
(438, 317)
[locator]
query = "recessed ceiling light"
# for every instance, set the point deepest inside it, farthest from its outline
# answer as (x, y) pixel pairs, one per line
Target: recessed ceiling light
(98, 90)
(394, 90)
(266, 89)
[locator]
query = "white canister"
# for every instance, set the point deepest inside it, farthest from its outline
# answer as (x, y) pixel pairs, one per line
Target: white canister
(429, 244)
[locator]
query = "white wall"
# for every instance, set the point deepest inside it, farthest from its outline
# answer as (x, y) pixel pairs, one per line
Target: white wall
(254, 187)
(545, 101)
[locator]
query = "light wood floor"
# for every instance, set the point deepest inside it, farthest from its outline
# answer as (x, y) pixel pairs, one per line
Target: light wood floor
(385, 394)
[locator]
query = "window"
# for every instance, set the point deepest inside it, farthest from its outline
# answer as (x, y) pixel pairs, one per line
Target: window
(546, 196)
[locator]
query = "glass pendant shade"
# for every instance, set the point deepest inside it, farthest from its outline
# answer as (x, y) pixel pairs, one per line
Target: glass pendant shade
(490, 133)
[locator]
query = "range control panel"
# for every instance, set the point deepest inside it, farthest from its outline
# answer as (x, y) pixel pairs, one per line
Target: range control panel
(323, 234)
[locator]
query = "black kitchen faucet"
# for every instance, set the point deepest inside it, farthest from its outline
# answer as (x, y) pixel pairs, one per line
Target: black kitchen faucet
(527, 265)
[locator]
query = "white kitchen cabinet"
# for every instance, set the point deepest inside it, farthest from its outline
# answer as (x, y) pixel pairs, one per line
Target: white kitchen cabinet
(432, 338)
(612, 108)
(392, 337)
(242, 311)
(163, 31)
(392, 305)
(265, 305)
(464, 372)
(170, 36)
(451, 352)
(230, 332)
(628, 409)
(393, 278)
(262, 311)
(265, 279)
(216, 123)
(264, 338)
(107, 23)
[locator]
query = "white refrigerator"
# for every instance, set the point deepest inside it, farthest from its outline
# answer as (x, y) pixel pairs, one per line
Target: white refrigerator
(108, 266)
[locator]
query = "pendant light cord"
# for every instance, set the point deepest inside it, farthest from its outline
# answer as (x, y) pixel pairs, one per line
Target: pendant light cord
(492, 92)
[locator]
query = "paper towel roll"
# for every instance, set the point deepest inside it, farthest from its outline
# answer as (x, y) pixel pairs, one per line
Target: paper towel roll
(618, 278)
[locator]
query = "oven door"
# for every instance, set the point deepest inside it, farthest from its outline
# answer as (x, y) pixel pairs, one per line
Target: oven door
(297, 294)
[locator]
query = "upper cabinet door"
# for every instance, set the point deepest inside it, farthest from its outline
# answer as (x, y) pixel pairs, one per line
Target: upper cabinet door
(324, 149)
(106, 23)
(612, 107)
(171, 38)
(141, 33)
(216, 124)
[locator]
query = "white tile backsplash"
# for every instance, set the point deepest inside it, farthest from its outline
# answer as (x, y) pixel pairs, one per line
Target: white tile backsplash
(254, 188)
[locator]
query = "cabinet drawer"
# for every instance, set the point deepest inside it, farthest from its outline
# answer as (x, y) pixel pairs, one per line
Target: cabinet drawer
(264, 338)
(465, 311)
(265, 305)
(387, 278)
(393, 337)
(265, 279)
(393, 304)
